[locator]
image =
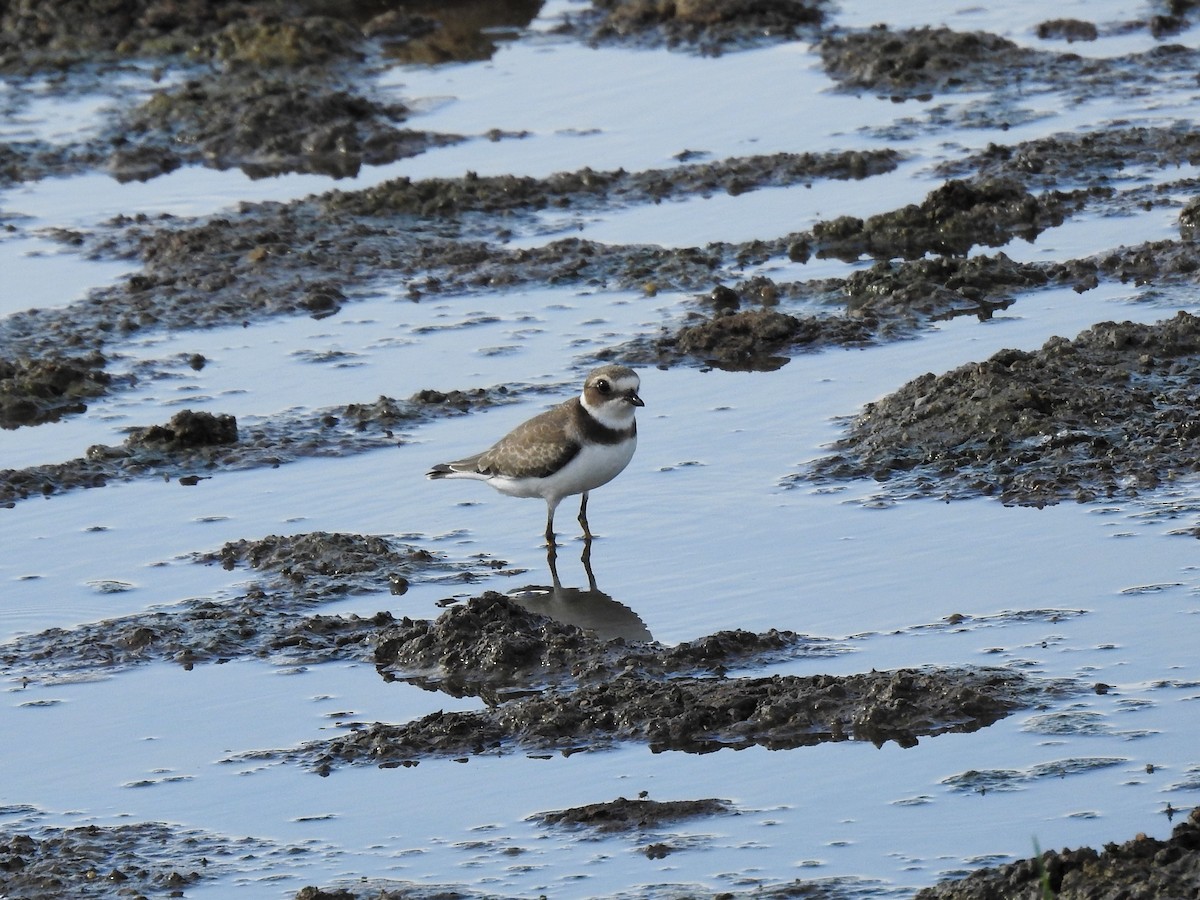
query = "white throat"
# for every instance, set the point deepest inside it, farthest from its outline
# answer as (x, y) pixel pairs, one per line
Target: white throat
(613, 413)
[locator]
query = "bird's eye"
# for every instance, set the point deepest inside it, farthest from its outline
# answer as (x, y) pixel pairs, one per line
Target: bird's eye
(603, 386)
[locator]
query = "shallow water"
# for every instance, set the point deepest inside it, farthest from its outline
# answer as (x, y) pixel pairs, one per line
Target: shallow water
(716, 449)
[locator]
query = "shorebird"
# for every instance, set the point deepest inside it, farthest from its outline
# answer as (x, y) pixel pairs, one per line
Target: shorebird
(573, 448)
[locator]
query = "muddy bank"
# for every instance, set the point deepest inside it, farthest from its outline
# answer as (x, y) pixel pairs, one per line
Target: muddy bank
(272, 618)
(496, 643)
(272, 87)
(254, 124)
(740, 327)
(446, 236)
(632, 815)
(551, 688)
(36, 391)
(194, 446)
(920, 63)
(145, 859)
(1143, 868)
(709, 26)
(1107, 414)
(310, 256)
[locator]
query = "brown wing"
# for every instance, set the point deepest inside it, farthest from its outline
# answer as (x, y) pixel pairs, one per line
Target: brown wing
(534, 449)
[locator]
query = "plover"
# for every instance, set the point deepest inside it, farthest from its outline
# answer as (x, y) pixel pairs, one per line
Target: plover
(573, 448)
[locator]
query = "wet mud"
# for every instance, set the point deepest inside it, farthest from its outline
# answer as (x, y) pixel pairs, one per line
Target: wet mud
(921, 63)
(1104, 414)
(141, 860)
(550, 687)
(193, 446)
(631, 815)
(1107, 414)
(708, 26)
(37, 391)
(1142, 868)
(272, 617)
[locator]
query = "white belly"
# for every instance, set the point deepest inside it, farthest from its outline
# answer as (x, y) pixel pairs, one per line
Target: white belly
(595, 465)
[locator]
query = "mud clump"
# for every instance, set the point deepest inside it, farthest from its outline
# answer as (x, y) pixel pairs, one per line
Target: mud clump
(950, 221)
(188, 430)
(921, 61)
(1143, 868)
(337, 561)
(1093, 158)
(149, 859)
(752, 340)
(492, 643)
(271, 618)
(940, 287)
(554, 688)
(265, 125)
(207, 443)
(694, 715)
(37, 391)
(708, 25)
(632, 815)
(587, 188)
(1070, 30)
(489, 642)
(1110, 413)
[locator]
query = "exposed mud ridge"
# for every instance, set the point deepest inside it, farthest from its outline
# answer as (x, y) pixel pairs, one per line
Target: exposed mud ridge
(492, 643)
(36, 391)
(591, 694)
(922, 62)
(391, 889)
(1110, 413)
(755, 339)
(453, 197)
(305, 257)
(743, 330)
(1093, 158)
(264, 125)
(274, 86)
(243, 33)
(120, 861)
(950, 221)
(272, 619)
(1143, 868)
(707, 25)
(194, 446)
(632, 815)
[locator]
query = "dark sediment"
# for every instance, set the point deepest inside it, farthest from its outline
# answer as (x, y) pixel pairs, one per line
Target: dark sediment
(193, 446)
(552, 688)
(923, 62)
(632, 815)
(1107, 414)
(492, 644)
(273, 618)
(1143, 868)
(36, 391)
(707, 25)
(250, 123)
(115, 861)
(1101, 415)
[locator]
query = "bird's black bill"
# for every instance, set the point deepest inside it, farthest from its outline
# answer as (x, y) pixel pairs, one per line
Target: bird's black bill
(634, 399)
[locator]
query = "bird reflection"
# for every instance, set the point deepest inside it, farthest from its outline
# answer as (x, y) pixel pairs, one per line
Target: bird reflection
(591, 609)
